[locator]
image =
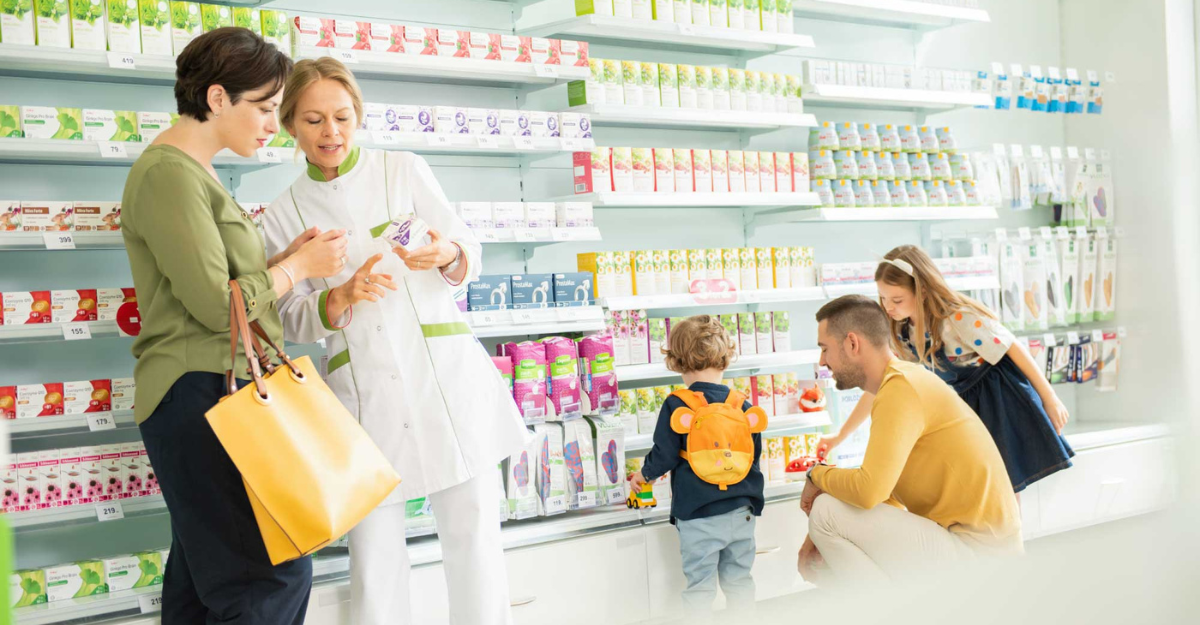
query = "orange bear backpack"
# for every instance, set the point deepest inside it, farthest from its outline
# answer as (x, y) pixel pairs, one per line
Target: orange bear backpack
(720, 444)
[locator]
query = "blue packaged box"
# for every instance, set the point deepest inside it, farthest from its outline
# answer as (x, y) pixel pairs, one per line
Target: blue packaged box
(532, 291)
(573, 289)
(490, 293)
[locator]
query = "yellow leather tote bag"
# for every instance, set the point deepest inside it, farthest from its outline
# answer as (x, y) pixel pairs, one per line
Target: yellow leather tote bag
(310, 470)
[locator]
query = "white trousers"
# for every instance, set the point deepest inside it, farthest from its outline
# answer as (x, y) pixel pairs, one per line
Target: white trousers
(882, 544)
(468, 526)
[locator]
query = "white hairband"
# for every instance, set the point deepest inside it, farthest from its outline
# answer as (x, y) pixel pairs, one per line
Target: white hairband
(902, 265)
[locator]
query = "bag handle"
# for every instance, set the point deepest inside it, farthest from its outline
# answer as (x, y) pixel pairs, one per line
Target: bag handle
(694, 400)
(239, 325)
(735, 399)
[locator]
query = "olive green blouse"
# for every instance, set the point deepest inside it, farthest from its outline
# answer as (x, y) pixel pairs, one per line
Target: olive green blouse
(186, 238)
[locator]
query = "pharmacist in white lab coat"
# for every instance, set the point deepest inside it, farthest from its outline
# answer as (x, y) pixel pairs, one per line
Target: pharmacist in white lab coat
(401, 356)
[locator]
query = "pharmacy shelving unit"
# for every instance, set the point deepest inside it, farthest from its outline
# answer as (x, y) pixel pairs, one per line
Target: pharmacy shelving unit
(881, 98)
(67, 152)
(83, 513)
(751, 364)
(442, 70)
(90, 65)
(531, 322)
(782, 425)
(659, 117)
(879, 214)
(921, 16)
(548, 19)
(66, 424)
(126, 603)
(50, 332)
(537, 236)
(471, 145)
(694, 200)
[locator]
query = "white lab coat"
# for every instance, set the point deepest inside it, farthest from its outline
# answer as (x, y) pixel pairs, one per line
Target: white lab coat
(422, 385)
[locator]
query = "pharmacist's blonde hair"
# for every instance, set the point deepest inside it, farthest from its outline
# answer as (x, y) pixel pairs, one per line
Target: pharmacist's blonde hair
(936, 301)
(309, 72)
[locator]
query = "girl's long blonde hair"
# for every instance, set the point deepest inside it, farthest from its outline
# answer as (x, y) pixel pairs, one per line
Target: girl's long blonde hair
(935, 301)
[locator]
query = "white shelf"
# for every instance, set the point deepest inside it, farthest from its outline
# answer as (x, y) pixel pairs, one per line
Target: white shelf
(1087, 435)
(86, 513)
(443, 70)
(90, 65)
(608, 199)
(476, 145)
(633, 373)
(662, 34)
(27, 428)
(900, 13)
(885, 213)
(535, 235)
(63, 152)
(660, 117)
(766, 296)
(83, 240)
(504, 323)
(78, 610)
(36, 333)
(899, 99)
(776, 426)
(963, 283)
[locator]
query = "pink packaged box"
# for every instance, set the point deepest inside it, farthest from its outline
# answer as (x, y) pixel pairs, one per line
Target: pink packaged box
(562, 357)
(529, 378)
(599, 374)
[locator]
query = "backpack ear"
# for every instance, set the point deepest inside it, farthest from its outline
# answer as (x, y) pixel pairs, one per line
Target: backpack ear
(681, 420)
(757, 418)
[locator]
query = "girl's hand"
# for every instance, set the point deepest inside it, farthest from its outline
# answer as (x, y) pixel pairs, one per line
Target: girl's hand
(1057, 411)
(436, 255)
(363, 285)
(636, 481)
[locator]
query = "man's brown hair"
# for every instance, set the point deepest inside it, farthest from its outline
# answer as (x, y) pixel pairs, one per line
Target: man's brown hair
(858, 314)
(699, 343)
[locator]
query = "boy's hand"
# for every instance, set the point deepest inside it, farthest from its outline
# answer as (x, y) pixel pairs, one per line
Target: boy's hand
(636, 481)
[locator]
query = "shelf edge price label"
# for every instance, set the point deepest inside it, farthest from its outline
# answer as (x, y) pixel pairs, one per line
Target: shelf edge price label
(615, 496)
(487, 236)
(59, 240)
(269, 155)
(110, 511)
(112, 149)
(687, 30)
(1097, 336)
(76, 332)
(525, 317)
(561, 234)
(150, 603)
(99, 421)
(525, 235)
(587, 500)
(385, 137)
(545, 71)
(438, 140)
(489, 143)
(120, 60)
(1024, 233)
(523, 143)
(486, 318)
(345, 56)
(571, 145)
(1072, 338)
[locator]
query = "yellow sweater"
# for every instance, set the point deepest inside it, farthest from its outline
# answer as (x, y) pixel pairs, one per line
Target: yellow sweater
(930, 453)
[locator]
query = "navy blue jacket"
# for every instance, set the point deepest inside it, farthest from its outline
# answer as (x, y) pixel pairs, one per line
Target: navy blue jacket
(692, 497)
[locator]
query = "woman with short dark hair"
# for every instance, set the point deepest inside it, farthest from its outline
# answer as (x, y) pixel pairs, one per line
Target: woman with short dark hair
(186, 238)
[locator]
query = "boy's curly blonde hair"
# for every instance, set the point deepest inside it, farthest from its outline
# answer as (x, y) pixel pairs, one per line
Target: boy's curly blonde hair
(699, 343)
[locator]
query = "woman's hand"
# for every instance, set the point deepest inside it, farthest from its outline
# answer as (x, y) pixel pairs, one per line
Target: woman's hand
(1057, 411)
(294, 247)
(436, 255)
(363, 285)
(321, 256)
(809, 561)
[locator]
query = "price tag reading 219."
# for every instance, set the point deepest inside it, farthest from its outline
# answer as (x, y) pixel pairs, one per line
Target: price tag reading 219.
(109, 511)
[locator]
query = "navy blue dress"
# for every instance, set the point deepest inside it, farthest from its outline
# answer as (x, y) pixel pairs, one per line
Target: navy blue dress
(1013, 413)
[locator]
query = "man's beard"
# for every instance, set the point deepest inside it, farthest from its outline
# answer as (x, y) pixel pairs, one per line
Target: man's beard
(850, 377)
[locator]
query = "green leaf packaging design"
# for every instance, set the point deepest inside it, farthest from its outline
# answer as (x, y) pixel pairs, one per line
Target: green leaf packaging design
(277, 30)
(214, 16)
(282, 140)
(138, 570)
(631, 83)
(26, 588)
(88, 25)
(53, 23)
(17, 22)
(246, 17)
(186, 24)
(72, 581)
(124, 32)
(150, 124)
(154, 18)
(103, 125)
(43, 122)
(10, 122)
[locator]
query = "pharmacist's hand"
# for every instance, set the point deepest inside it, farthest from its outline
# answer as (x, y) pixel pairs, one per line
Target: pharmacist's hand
(321, 256)
(1057, 411)
(636, 481)
(809, 496)
(809, 561)
(364, 285)
(436, 255)
(826, 445)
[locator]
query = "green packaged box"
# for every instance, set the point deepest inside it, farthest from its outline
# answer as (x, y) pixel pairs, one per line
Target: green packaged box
(88, 30)
(17, 22)
(155, 26)
(277, 30)
(124, 30)
(44, 122)
(214, 16)
(668, 85)
(75, 580)
(104, 125)
(10, 122)
(186, 24)
(282, 140)
(246, 17)
(137, 570)
(53, 19)
(26, 588)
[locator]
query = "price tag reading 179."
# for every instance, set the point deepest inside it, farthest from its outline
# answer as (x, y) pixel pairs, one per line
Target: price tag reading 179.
(109, 511)
(98, 421)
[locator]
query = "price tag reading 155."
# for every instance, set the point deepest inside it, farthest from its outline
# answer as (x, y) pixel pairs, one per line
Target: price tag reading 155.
(77, 332)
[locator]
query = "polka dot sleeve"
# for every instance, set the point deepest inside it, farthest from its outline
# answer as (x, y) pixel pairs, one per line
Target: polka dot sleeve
(980, 334)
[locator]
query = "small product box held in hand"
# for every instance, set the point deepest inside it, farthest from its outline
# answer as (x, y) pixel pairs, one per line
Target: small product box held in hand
(408, 233)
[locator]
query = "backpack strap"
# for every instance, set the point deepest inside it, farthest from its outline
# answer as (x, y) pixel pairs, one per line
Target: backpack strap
(735, 399)
(694, 400)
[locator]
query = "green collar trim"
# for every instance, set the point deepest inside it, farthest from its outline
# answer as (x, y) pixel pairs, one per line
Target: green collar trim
(315, 173)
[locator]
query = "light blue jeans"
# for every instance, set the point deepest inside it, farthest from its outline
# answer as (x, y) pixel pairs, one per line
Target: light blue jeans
(720, 546)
